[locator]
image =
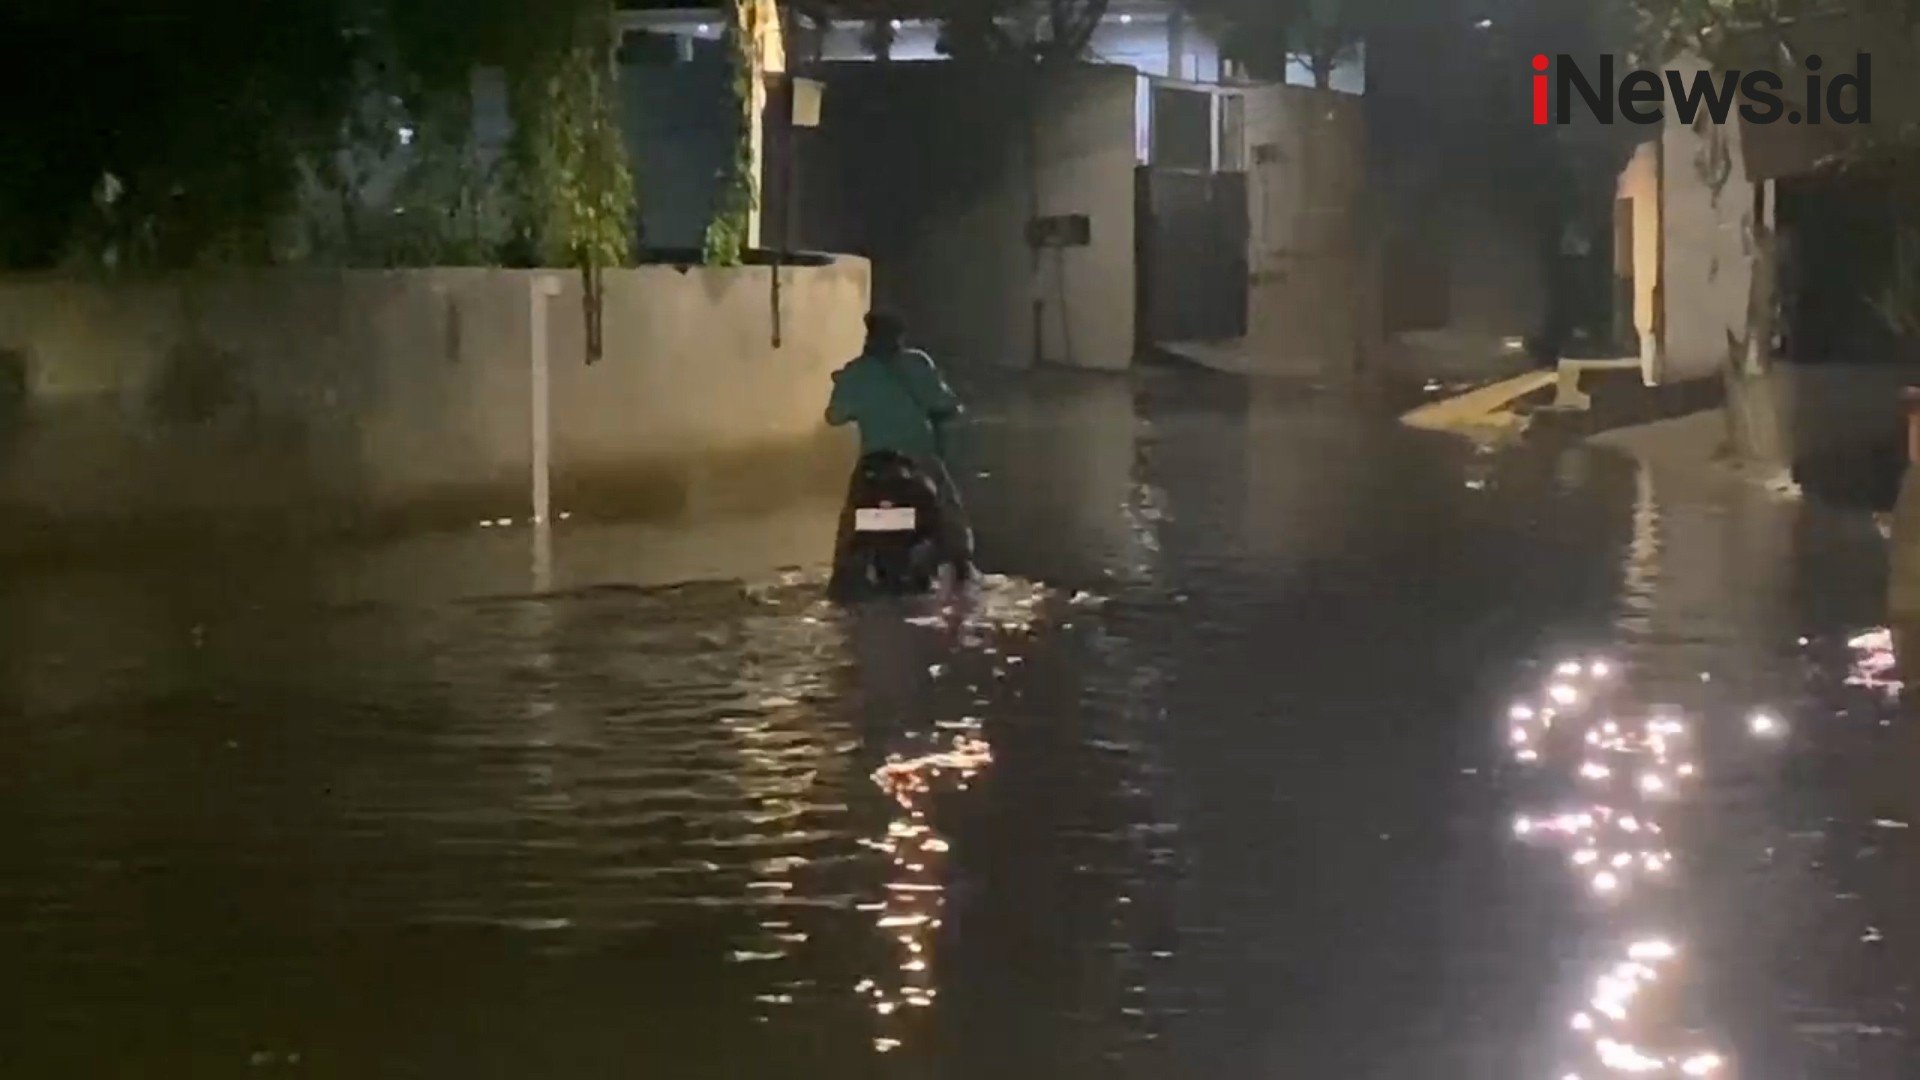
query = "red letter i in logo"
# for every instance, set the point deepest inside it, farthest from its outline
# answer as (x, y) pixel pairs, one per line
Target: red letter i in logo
(1540, 89)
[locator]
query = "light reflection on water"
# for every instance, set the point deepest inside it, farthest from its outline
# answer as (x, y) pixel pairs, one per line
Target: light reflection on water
(923, 767)
(928, 760)
(705, 828)
(1620, 769)
(915, 893)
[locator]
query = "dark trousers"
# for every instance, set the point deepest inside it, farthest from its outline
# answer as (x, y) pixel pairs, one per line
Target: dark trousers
(956, 539)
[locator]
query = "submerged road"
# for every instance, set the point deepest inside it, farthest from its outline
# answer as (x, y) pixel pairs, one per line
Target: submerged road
(1290, 743)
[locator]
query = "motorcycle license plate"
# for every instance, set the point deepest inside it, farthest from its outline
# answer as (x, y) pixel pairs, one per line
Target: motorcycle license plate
(884, 519)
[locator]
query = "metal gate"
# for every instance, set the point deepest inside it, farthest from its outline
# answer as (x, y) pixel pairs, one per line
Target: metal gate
(1193, 233)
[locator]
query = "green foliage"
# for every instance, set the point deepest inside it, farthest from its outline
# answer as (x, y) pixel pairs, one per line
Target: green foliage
(405, 182)
(1266, 34)
(236, 132)
(572, 179)
(1715, 29)
(1666, 28)
(194, 115)
(449, 206)
(727, 234)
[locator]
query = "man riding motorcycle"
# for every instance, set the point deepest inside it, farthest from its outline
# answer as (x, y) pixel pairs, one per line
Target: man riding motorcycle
(901, 404)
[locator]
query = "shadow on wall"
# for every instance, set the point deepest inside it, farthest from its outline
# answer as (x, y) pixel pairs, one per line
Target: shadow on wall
(295, 401)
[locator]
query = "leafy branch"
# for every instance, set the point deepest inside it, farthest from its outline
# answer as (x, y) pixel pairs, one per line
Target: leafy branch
(727, 236)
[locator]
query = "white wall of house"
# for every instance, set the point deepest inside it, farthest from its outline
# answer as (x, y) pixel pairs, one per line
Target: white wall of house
(1306, 154)
(1706, 217)
(1640, 182)
(372, 390)
(1086, 166)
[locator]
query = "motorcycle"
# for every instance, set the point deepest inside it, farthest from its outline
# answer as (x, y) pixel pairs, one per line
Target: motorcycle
(895, 549)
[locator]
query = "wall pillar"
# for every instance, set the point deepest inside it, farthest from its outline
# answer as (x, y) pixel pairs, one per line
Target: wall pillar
(769, 57)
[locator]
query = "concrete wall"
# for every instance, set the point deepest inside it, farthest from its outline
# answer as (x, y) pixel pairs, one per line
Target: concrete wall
(1306, 154)
(359, 394)
(1640, 182)
(933, 171)
(1085, 165)
(1706, 208)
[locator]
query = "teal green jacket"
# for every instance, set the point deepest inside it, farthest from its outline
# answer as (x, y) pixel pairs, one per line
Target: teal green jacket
(897, 399)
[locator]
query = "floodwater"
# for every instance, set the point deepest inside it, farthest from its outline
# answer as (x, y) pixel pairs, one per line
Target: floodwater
(1290, 744)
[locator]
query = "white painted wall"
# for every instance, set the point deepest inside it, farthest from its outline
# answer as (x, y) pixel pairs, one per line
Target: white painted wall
(1705, 267)
(1640, 181)
(1086, 166)
(1303, 254)
(377, 389)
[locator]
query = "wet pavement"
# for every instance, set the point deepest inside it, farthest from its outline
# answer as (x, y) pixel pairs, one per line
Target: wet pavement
(1290, 743)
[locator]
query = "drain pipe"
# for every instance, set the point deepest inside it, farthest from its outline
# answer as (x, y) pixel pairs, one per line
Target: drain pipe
(545, 287)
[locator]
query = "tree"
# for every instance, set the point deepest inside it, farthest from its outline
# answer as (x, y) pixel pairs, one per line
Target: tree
(162, 135)
(727, 234)
(1268, 35)
(202, 128)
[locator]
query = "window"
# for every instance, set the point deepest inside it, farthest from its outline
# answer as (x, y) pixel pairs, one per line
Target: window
(1182, 129)
(1233, 133)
